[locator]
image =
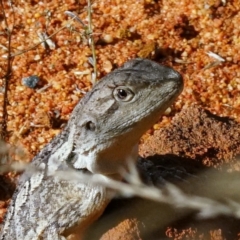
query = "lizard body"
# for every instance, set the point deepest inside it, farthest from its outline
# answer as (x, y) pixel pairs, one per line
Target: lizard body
(102, 134)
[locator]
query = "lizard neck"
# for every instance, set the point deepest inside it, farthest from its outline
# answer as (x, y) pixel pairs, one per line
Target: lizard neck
(107, 160)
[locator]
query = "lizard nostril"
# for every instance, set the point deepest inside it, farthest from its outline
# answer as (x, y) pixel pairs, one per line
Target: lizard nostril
(90, 126)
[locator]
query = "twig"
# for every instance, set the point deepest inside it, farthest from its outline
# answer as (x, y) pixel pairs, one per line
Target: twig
(91, 42)
(207, 207)
(89, 34)
(74, 16)
(37, 44)
(8, 71)
(171, 194)
(44, 88)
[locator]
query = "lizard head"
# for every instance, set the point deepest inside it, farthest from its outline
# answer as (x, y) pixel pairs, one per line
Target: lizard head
(112, 117)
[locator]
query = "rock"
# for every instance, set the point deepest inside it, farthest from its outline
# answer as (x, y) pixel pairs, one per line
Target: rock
(30, 81)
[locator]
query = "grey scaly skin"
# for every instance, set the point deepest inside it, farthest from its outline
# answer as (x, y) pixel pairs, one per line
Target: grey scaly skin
(101, 136)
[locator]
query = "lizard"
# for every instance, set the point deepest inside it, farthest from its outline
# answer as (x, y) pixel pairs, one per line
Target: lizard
(102, 134)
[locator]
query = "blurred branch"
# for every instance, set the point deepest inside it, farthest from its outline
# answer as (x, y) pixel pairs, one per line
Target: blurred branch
(8, 70)
(207, 207)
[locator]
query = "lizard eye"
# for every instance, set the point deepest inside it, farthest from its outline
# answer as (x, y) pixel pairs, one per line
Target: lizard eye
(123, 94)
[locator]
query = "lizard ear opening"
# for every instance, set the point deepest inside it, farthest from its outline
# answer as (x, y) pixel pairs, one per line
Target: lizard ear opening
(123, 94)
(90, 126)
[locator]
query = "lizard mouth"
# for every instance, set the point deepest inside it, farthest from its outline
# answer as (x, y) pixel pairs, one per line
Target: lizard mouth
(83, 170)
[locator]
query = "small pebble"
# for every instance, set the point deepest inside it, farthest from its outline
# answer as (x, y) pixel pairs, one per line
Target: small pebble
(31, 81)
(107, 38)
